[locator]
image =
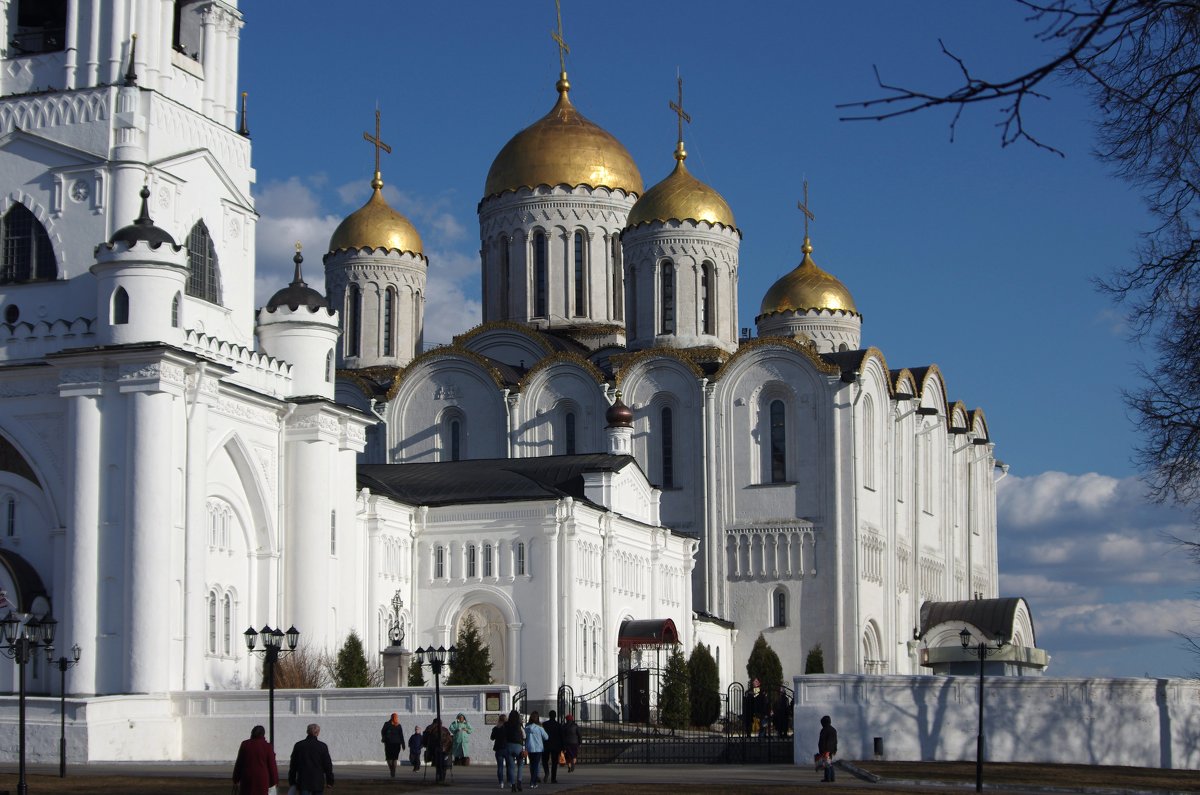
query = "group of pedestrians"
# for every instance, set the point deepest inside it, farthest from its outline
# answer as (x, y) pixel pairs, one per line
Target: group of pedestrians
(545, 746)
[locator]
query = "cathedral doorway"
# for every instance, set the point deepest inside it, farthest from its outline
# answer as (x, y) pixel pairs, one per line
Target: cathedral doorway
(493, 635)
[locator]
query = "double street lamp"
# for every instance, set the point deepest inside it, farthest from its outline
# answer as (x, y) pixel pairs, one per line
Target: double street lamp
(64, 664)
(436, 658)
(272, 649)
(982, 651)
(21, 642)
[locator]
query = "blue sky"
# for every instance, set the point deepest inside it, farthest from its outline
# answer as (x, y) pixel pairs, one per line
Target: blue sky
(968, 255)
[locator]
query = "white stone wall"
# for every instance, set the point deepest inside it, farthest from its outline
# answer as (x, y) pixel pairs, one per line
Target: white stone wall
(1135, 722)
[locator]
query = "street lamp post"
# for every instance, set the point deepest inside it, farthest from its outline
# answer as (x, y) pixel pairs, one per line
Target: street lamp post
(64, 664)
(21, 642)
(437, 658)
(272, 650)
(982, 651)
(396, 626)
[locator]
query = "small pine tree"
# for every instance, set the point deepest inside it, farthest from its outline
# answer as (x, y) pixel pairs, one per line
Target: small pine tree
(674, 707)
(350, 669)
(704, 686)
(815, 662)
(473, 660)
(416, 675)
(764, 666)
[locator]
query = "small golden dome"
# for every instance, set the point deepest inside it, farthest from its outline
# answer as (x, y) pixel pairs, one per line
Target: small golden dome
(807, 287)
(563, 148)
(681, 197)
(376, 225)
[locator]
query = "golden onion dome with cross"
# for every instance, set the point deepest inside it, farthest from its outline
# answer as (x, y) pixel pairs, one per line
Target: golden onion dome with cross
(563, 148)
(806, 288)
(681, 197)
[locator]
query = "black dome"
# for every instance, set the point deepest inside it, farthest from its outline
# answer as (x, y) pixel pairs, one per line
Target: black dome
(297, 294)
(143, 229)
(619, 415)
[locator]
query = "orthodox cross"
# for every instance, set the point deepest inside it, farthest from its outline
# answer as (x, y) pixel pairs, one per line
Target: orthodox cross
(557, 35)
(377, 141)
(802, 206)
(679, 111)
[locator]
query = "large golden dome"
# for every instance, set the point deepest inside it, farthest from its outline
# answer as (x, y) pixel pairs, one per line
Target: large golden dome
(681, 197)
(376, 225)
(563, 148)
(807, 287)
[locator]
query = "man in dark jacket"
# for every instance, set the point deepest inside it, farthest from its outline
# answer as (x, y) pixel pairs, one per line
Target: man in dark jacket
(554, 746)
(311, 769)
(827, 746)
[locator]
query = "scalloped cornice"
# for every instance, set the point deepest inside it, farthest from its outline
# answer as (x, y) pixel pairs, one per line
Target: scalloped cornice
(369, 379)
(503, 325)
(562, 357)
(452, 351)
(691, 358)
(807, 351)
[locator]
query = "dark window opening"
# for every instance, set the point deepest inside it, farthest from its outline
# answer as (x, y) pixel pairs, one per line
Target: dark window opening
(780, 609)
(539, 274)
(27, 253)
(204, 275)
(667, 435)
(706, 299)
(12, 313)
(389, 307)
(570, 432)
(579, 280)
(455, 440)
(353, 320)
(41, 27)
(668, 298)
(120, 307)
(778, 442)
(175, 311)
(187, 34)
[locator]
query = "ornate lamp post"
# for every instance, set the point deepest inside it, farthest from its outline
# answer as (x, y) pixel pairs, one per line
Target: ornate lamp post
(63, 664)
(396, 627)
(982, 651)
(21, 642)
(272, 650)
(436, 658)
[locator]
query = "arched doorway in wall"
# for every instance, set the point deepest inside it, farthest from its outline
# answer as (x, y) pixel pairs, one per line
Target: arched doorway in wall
(493, 635)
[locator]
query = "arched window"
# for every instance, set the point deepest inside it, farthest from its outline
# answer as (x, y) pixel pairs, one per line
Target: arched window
(487, 560)
(868, 442)
(333, 532)
(540, 274)
(389, 310)
(329, 366)
(10, 516)
(519, 563)
(120, 307)
(455, 440)
(439, 562)
(777, 415)
(353, 320)
(27, 253)
(227, 626)
(580, 280)
(667, 437)
(707, 322)
(175, 310)
(212, 622)
(505, 277)
(779, 612)
(472, 562)
(618, 280)
(569, 427)
(667, 298)
(204, 275)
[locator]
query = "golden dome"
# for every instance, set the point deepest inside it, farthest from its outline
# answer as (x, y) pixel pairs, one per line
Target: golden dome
(681, 197)
(376, 225)
(563, 148)
(807, 287)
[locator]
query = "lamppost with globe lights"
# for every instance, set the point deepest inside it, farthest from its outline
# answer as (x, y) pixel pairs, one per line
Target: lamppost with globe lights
(982, 651)
(21, 642)
(64, 664)
(436, 658)
(272, 649)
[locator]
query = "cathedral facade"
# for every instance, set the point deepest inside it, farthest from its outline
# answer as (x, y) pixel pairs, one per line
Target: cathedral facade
(607, 446)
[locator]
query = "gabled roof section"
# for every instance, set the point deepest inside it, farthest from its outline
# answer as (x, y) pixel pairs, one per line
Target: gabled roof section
(236, 195)
(992, 617)
(488, 479)
(80, 156)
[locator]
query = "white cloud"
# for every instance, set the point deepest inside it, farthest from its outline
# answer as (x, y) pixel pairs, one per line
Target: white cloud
(1126, 620)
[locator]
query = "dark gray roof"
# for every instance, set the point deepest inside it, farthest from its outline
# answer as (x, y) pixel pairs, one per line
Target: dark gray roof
(298, 294)
(143, 229)
(989, 616)
(488, 479)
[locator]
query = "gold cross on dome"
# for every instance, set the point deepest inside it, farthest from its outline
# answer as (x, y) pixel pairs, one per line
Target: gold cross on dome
(377, 141)
(802, 206)
(557, 35)
(679, 111)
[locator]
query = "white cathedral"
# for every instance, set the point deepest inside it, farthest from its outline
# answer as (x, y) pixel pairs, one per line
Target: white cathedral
(606, 447)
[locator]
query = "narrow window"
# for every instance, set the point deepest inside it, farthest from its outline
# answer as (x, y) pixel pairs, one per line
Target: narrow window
(667, 295)
(583, 633)
(706, 299)
(455, 440)
(570, 432)
(667, 436)
(618, 280)
(520, 557)
(120, 307)
(631, 325)
(10, 511)
(389, 309)
(580, 282)
(505, 277)
(175, 311)
(227, 626)
(539, 274)
(27, 253)
(472, 563)
(329, 366)
(212, 623)
(778, 442)
(333, 532)
(595, 648)
(487, 560)
(780, 608)
(204, 275)
(353, 320)
(439, 562)
(868, 420)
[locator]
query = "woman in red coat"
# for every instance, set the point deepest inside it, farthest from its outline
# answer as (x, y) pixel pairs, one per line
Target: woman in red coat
(255, 772)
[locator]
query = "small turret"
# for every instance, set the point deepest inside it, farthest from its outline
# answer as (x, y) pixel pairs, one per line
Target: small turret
(298, 326)
(619, 428)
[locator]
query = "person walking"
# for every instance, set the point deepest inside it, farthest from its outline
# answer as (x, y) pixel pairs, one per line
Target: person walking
(460, 730)
(554, 747)
(414, 748)
(535, 745)
(514, 747)
(310, 769)
(500, 748)
(572, 739)
(392, 736)
(254, 772)
(827, 746)
(443, 759)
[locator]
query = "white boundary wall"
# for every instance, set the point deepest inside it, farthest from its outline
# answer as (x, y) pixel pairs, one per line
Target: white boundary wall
(208, 726)
(1137, 722)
